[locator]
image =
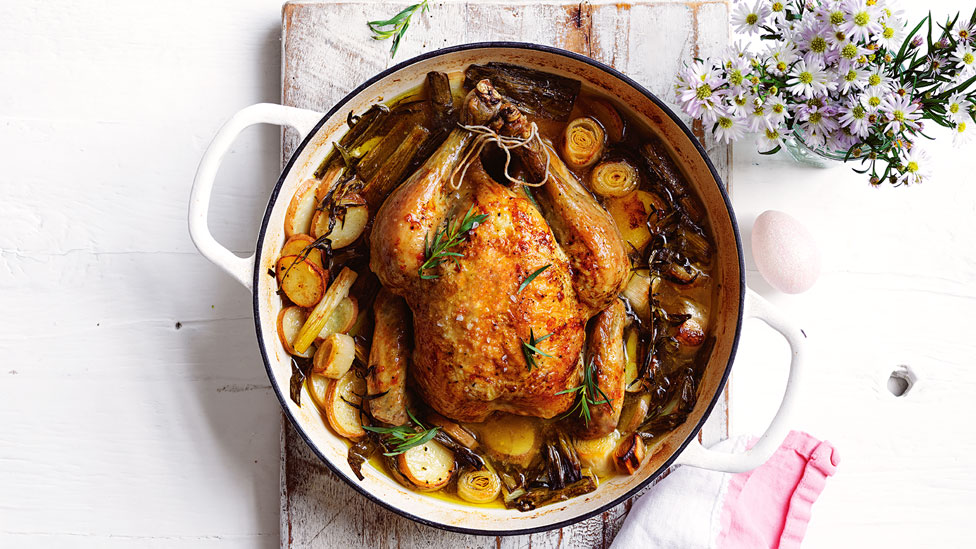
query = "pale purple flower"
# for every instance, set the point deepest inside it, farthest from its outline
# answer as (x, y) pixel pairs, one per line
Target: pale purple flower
(962, 31)
(737, 70)
(853, 79)
(872, 99)
(813, 42)
(698, 91)
(757, 118)
(776, 110)
(768, 139)
(901, 112)
(817, 124)
(781, 55)
(892, 34)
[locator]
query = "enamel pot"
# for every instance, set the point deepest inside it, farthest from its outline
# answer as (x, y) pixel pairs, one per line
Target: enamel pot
(734, 303)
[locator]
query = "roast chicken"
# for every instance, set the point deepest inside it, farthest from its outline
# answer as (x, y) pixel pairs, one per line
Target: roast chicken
(473, 313)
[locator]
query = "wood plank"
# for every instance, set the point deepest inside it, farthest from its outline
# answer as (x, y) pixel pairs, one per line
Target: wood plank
(320, 67)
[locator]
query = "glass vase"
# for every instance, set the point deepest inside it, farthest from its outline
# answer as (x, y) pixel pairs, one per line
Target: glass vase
(808, 155)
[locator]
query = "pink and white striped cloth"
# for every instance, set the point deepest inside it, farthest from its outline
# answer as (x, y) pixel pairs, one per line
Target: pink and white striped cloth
(767, 507)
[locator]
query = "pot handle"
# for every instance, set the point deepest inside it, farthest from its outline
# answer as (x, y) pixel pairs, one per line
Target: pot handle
(241, 268)
(697, 455)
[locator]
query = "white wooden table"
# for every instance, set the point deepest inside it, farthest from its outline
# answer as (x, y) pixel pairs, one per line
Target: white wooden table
(134, 410)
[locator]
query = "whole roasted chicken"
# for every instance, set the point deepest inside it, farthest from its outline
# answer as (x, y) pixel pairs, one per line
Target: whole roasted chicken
(523, 298)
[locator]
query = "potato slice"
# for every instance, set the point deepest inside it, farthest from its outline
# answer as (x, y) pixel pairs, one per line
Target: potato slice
(597, 453)
(318, 388)
(511, 438)
(429, 466)
(290, 321)
(334, 357)
(298, 217)
(302, 281)
(631, 212)
(347, 229)
(341, 320)
(342, 401)
(297, 244)
(317, 317)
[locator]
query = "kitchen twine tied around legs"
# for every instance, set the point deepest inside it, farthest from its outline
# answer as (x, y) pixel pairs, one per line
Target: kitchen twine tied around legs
(487, 135)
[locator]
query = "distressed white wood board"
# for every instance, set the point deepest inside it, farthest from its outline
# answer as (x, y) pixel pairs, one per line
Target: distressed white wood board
(646, 40)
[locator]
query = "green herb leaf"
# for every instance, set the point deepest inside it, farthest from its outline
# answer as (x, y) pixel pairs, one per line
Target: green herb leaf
(396, 26)
(528, 280)
(586, 395)
(437, 251)
(530, 349)
(404, 437)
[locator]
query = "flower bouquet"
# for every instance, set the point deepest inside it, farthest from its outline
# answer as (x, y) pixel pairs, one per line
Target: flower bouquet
(841, 78)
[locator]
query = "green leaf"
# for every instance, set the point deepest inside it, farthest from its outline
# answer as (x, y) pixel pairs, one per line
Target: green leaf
(528, 280)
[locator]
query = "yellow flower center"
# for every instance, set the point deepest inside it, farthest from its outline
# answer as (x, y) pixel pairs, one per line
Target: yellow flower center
(703, 92)
(850, 76)
(849, 51)
(899, 116)
(752, 18)
(740, 100)
(888, 32)
(967, 58)
(912, 167)
(816, 118)
(858, 112)
(778, 108)
(781, 66)
(806, 77)
(862, 18)
(777, 6)
(836, 17)
(874, 80)
(961, 127)
(953, 108)
(874, 101)
(725, 122)
(772, 134)
(818, 44)
(735, 77)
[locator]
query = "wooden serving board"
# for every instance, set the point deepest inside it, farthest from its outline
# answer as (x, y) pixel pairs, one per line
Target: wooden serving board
(327, 52)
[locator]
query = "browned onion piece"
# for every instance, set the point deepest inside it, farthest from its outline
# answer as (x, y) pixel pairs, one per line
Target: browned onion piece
(582, 143)
(629, 454)
(614, 178)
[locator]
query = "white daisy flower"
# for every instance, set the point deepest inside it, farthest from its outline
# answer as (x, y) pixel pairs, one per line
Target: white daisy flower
(737, 70)
(776, 110)
(957, 107)
(892, 34)
(850, 55)
(965, 60)
(901, 112)
(728, 128)
(854, 79)
(777, 12)
(915, 166)
(872, 99)
(961, 134)
(862, 20)
(738, 105)
(757, 118)
(854, 117)
(962, 31)
(878, 80)
(769, 139)
(809, 80)
(749, 20)
(781, 55)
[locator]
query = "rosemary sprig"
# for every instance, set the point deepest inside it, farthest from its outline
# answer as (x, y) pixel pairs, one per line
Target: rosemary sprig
(404, 437)
(528, 280)
(530, 348)
(437, 251)
(586, 395)
(396, 26)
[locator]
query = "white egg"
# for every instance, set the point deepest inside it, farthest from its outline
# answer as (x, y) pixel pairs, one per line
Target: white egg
(785, 252)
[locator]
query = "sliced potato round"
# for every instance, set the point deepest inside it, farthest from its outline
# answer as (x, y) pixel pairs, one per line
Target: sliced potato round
(297, 244)
(334, 356)
(302, 281)
(346, 230)
(482, 486)
(429, 466)
(342, 402)
(318, 388)
(342, 318)
(298, 217)
(510, 438)
(290, 321)
(633, 212)
(597, 453)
